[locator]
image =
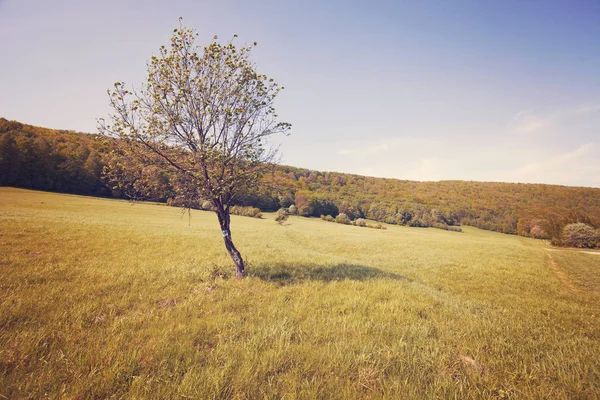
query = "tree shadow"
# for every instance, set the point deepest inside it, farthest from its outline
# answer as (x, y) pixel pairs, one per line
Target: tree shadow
(296, 273)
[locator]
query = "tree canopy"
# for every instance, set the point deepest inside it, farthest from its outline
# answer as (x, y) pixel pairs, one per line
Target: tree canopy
(204, 114)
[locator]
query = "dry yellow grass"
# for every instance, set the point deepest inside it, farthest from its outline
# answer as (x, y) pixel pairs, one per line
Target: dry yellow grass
(104, 298)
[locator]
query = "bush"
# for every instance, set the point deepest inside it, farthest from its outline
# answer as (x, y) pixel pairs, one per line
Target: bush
(579, 235)
(305, 211)
(454, 228)
(292, 210)
(342, 219)
(440, 225)
(360, 222)
(377, 226)
(281, 216)
(252, 212)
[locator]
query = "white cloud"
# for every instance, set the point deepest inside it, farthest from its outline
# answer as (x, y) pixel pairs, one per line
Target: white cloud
(586, 109)
(577, 166)
(366, 149)
(527, 122)
(428, 169)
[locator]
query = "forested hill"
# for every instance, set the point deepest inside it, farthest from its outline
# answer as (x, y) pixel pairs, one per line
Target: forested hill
(65, 161)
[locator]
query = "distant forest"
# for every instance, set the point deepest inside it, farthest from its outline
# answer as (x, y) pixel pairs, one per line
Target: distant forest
(71, 162)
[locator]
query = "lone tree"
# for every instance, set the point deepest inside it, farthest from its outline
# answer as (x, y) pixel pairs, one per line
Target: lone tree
(203, 115)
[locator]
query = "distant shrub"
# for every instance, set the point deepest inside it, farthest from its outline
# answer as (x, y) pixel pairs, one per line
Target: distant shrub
(455, 228)
(360, 222)
(292, 210)
(579, 235)
(342, 219)
(305, 211)
(440, 225)
(281, 216)
(377, 226)
(252, 212)
(329, 218)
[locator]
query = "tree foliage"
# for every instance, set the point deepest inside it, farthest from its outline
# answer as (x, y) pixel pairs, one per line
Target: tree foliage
(580, 235)
(205, 116)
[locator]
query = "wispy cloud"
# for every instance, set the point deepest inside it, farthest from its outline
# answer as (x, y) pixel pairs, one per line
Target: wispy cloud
(367, 149)
(527, 122)
(587, 109)
(570, 166)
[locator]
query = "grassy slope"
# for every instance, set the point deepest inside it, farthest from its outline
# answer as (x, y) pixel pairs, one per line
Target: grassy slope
(102, 298)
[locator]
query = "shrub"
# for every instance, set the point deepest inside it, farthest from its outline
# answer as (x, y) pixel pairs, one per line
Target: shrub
(281, 216)
(440, 225)
(305, 211)
(327, 218)
(579, 235)
(360, 222)
(292, 210)
(455, 228)
(342, 219)
(252, 212)
(377, 226)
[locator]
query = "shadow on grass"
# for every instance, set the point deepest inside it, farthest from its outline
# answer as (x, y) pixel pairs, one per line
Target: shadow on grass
(296, 273)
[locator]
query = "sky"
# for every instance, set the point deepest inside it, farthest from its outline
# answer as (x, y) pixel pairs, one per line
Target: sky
(421, 90)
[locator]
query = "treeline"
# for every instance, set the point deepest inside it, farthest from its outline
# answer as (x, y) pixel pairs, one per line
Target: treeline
(70, 162)
(46, 159)
(534, 210)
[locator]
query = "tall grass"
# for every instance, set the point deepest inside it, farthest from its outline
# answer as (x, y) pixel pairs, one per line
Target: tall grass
(105, 298)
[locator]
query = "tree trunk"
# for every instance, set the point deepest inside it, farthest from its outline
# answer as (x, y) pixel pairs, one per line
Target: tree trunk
(224, 221)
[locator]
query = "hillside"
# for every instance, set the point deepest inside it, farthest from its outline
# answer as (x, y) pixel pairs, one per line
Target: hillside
(64, 161)
(103, 299)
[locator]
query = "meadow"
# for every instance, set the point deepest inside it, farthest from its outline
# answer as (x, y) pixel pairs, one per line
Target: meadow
(105, 298)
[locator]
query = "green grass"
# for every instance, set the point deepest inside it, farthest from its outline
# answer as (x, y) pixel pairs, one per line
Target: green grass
(109, 299)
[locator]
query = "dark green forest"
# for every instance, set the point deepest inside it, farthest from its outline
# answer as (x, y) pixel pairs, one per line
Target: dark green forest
(80, 163)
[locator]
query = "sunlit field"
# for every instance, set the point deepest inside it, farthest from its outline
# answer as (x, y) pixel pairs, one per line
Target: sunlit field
(110, 299)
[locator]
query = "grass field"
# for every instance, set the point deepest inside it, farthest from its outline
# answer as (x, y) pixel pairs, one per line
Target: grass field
(108, 299)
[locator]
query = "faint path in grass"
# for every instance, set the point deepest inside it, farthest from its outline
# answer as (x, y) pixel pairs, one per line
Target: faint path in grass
(562, 276)
(597, 253)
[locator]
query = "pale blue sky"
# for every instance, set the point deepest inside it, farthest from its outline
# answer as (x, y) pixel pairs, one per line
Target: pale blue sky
(420, 90)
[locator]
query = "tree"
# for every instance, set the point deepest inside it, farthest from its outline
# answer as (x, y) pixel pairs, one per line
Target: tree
(281, 216)
(579, 235)
(205, 115)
